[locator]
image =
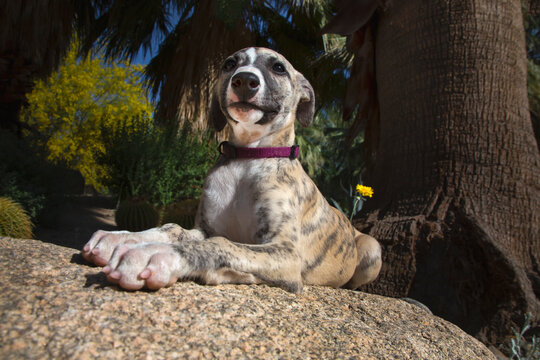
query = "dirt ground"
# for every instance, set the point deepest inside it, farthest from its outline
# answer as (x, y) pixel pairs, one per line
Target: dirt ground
(72, 222)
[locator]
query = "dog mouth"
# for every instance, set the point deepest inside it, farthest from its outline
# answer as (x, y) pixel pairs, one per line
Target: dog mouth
(244, 106)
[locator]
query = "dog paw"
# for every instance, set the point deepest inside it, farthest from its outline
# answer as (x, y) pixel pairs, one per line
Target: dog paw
(99, 249)
(154, 265)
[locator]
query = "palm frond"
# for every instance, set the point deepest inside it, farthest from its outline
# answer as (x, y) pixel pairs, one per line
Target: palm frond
(185, 69)
(124, 27)
(37, 33)
(34, 37)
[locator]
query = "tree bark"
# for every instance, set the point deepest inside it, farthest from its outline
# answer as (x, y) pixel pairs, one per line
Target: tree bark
(457, 170)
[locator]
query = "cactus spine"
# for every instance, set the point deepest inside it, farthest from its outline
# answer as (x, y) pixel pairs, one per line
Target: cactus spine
(136, 215)
(14, 221)
(181, 213)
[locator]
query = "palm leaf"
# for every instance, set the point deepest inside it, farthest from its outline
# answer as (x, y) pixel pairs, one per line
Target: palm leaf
(34, 37)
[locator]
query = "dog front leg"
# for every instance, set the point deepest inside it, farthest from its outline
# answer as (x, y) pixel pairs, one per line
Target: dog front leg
(100, 247)
(214, 261)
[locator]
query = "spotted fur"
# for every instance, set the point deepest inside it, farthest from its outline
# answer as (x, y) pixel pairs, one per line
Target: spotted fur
(259, 220)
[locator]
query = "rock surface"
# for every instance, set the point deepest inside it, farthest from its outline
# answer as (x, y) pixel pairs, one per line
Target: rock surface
(53, 306)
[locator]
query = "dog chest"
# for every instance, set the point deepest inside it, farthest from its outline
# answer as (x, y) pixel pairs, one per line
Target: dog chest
(229, 200)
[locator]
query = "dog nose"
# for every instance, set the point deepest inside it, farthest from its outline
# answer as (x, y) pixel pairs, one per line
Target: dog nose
(245, 85)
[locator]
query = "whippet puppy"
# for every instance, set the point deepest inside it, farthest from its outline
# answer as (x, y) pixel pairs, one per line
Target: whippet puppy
(261, 219)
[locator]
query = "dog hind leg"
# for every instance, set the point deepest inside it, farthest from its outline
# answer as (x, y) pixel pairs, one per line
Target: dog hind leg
(369, 261)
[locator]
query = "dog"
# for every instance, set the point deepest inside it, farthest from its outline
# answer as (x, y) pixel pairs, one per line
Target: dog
(261, 219)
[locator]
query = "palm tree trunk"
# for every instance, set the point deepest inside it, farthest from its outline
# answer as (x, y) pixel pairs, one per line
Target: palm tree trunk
(457, 174)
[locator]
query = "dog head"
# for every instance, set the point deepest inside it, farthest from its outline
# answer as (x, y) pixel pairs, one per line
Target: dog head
(259, 94)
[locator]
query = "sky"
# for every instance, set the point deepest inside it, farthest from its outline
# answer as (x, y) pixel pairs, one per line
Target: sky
(141, 59)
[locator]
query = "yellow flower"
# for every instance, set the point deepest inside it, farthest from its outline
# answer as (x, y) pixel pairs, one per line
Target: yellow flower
(365, 191)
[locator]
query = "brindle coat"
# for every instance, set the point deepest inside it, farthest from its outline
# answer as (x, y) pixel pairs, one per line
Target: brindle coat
(259, 220)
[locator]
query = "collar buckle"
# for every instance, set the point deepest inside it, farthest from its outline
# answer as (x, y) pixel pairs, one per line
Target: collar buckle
(293, 154)
(227, 150)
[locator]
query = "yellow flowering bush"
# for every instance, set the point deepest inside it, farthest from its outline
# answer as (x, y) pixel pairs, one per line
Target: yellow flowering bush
(71, 107)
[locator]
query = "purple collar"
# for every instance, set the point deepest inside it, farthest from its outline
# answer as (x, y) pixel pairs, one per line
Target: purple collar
(233, 152)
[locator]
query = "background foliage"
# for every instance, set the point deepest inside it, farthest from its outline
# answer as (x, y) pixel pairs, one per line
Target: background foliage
(335, 167)
(160, 164)
(28, 178)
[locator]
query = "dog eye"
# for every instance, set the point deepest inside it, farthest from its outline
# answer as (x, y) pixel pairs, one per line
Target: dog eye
(278, 68)
(229, 64)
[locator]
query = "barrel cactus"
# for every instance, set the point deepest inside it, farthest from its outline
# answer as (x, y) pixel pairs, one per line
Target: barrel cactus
(136, 215)
(14, 221)
(181, 213)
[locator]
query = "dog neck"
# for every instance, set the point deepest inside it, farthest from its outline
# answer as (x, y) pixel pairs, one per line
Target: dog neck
(283, 137)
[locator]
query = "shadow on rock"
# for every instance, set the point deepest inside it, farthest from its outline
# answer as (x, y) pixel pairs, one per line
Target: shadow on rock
(72, 220)
(99, 279)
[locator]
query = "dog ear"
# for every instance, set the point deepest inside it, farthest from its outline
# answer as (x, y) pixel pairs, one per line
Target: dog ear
(216, 115)
(306, 106)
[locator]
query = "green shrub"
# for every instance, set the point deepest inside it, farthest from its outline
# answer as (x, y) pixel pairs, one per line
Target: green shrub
(522, 347)
(136, 215)
(161, 164)
(181, 213)
(335, 167)
(28, 178)
(14, 221)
